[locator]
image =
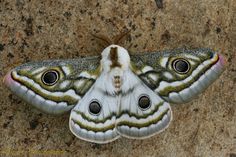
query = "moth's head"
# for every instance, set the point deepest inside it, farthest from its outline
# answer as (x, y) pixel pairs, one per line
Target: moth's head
(46, 85)
(186, 73)
(115, 56)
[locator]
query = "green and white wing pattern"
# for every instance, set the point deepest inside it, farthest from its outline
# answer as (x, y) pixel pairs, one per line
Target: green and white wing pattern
(116, 95)
(178, 75)
(136, 112)
(53, 86)
(94, 118)
(142, 112)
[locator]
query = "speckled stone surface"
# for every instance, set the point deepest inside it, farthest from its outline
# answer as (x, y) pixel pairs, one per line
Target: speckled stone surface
(37, 30)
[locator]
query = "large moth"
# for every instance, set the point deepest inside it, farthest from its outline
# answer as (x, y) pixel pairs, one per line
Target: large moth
(116, 94)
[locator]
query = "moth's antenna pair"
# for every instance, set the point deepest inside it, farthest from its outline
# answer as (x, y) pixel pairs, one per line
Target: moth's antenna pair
(108, 41)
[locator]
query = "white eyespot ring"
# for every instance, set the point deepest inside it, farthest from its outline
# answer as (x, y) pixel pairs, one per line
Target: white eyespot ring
(144, 102)
(181, 65)
(50, 77)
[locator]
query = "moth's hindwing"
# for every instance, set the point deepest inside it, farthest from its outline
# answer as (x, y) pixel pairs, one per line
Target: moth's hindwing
(53, 86)
(142, 112)
(94, 118)
(178, 75)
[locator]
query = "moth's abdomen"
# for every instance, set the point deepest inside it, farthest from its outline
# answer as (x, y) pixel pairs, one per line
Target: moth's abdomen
(117, 83)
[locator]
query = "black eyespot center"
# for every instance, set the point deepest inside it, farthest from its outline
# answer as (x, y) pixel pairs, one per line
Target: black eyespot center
(212, 55)
(144, 102)
(181, 66)
(50, 77)
(95, 107)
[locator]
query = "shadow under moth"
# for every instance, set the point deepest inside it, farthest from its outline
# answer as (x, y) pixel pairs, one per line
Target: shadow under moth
(116, 94)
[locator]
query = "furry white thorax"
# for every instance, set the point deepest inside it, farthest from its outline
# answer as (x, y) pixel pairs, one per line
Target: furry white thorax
(110, 74)
(123, 58)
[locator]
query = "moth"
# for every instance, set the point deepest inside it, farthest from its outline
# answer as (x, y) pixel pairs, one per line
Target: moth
(116, 94)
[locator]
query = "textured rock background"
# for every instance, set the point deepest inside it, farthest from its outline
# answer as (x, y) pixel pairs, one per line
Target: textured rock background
(37, 30)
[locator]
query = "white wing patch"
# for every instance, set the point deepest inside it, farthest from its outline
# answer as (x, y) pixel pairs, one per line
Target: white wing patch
(64, 84)
(66, 70)
(87, 75)
(146, 69)
(164, 61)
